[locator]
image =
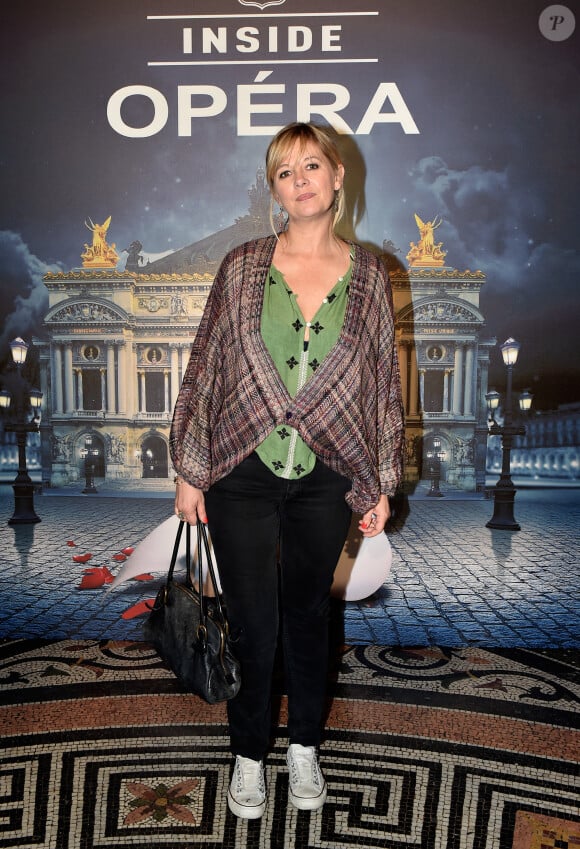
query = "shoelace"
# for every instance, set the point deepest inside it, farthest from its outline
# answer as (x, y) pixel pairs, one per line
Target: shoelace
(305, 768)
(249, 776)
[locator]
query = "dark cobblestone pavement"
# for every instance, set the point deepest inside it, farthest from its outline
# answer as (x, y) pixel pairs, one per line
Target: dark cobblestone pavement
(453, 582)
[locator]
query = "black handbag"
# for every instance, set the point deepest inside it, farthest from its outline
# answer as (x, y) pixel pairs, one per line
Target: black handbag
(190, 630)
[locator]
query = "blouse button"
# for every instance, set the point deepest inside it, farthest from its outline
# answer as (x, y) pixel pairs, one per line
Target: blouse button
(308, 324)
(325, 300)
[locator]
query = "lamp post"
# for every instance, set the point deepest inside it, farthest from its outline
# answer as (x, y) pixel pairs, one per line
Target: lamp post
(24, 513)
(505, 492)
(435, 455)
(89, 454)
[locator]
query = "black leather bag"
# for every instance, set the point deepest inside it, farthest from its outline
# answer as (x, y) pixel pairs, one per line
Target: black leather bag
(190, 630)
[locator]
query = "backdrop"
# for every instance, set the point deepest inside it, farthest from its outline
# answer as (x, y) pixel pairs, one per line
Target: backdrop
(158, 114)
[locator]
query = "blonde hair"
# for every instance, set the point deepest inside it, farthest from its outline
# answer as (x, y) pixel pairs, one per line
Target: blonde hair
(304, 134)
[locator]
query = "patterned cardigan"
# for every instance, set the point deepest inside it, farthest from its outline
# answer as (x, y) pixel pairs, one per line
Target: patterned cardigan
(349, 412)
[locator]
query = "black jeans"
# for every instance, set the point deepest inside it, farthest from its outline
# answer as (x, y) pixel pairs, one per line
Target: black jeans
(257, 520)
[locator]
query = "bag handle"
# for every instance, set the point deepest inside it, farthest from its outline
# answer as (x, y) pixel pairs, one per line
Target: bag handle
(202, 544)
(211, 567)
(175, 553)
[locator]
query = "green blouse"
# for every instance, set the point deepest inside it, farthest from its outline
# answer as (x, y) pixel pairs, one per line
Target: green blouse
(283, 330)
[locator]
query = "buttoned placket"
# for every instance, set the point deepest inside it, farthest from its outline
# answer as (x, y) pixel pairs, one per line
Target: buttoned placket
(302, 378)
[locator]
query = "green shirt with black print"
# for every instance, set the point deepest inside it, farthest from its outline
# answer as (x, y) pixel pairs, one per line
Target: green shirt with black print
(296, 358)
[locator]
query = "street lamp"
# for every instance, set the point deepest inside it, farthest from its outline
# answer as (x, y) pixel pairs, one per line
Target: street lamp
(89, 454)
(26, 398)
(19, 350)
(505, 492)
(525, 401)
(435, 456)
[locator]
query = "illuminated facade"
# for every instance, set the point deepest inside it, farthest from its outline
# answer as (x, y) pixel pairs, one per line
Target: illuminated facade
(119, 344)
(444, 361)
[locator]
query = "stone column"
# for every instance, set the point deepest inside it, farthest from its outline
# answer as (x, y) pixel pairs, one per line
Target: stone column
(79, 394)
(122, 372)
(446, 391)
(185, 354)
(413, 382)
(103, 372)
(174, 374)
(468, 394)
(166, 375)
(482, 413)
(458, 380)
(403, 368)
(422, 389)
(133, 380)
(142, 400)
(44, 359)
(111, 379)
(68, 379)
(57, 380)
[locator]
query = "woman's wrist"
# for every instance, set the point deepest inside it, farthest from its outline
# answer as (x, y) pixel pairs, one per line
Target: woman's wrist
(180, 481)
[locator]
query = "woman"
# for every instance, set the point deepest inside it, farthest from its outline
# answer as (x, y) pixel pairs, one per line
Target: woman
(288, 418)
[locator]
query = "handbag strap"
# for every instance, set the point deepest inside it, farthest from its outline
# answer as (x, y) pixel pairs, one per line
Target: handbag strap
(202, 545)
(202, 538)
(175, 553)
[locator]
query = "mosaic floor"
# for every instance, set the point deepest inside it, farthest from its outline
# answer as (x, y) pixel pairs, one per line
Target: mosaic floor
(441, 748)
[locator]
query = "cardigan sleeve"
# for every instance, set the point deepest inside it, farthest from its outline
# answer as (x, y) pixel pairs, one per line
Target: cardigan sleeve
(201, 393)
(390, 414)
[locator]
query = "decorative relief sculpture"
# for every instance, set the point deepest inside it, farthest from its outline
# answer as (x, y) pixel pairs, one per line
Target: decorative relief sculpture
(153, 303)
(61, 447)
(116, 449)
(441, 311)
(464, 451)
(91, 353)
(86, 312)
(178, 306)
(413, 445)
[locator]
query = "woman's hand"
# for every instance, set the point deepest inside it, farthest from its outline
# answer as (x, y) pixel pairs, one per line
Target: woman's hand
(189, 503)
(373, 522)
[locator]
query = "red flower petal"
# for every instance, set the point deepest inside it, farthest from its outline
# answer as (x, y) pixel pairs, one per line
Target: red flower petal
(119, 557)
(139, 609)
(128, 551)
(145, 577)
(70, 543)
(82, 558)
(92, 580)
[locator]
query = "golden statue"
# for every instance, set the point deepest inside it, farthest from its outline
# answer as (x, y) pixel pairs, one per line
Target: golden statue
(426, 254)
(99, 254)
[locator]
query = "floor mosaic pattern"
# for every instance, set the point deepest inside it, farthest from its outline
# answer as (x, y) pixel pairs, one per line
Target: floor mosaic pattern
(427, 748)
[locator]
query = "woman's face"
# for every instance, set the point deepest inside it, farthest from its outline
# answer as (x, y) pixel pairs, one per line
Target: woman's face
(306, 181)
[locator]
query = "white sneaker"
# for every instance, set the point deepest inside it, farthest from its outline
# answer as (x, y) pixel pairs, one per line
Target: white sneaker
(247, 790)
(307, 790)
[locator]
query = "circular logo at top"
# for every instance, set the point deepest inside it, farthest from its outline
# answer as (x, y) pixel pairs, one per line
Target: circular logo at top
(557, 23)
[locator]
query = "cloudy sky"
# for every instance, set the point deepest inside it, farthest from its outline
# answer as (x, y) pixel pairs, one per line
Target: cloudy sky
(494, 99)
